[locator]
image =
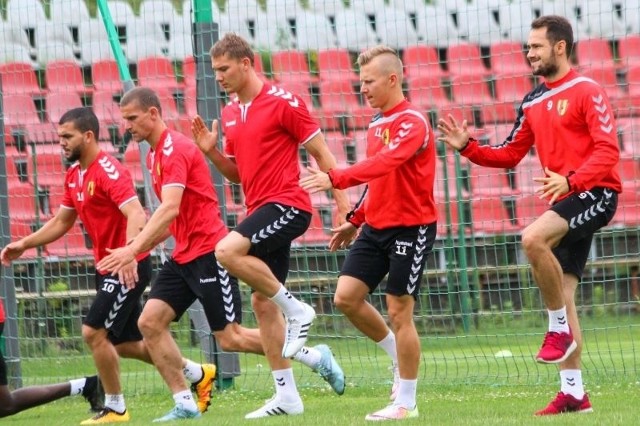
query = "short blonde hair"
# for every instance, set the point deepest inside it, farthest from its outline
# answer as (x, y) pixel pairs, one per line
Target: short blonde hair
(392, 63)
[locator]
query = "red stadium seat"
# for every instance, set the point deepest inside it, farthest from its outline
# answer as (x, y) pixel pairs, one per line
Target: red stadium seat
(606, 77)
(106, 108)
(529, 208)
(491, 216)
(594, 52)
(291, 65)
(170, 113)
(316, 234)
(465, 59)
(473, 92)
(628, 211)
(338, 97)
(157, 72)
(336, 64)
(20, 229)
(60, 102)
(629, 50)
(189, 71)
(428, 94)
(19, 78)
(71, 245)
(422, 61)
(105, 76)
(512, 87)
(528, 169)
(629, 170)
(490, 181)
(65, 76)
(50, 168)
(633, 80)
(131, 161)
(20, 114)
(22, 202)
(508, 57)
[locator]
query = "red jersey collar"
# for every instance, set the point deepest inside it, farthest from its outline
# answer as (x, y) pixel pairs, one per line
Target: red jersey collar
(570, 75)
(163, 139)
(401, 106)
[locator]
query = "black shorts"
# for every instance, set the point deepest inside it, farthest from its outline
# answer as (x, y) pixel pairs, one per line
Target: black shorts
(117, 308)
(401, 251)
(271, 229)
(3, 367)
(179, 285)
(586, 213)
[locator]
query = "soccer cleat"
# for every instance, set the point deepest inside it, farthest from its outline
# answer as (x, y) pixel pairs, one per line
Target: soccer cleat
(275, 407)
(296, 333)
(396, 382)
(94, 394)
(565, 403)
(329, 369)
(393, 412)
(204, 387)
(107, 415)
(178, 413)
(556, 347)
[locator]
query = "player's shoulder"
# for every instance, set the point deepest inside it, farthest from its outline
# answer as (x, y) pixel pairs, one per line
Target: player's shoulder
(279, 95)
(411, 115)
(109, 167)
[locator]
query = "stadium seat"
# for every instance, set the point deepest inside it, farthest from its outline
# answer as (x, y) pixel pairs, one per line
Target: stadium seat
(316, 234)
(270, 34)
(512, 87)
(492, 216)
(508, 57)
(328, 8)
(313, 32)
(69, 13)
(338, 98)
(50, 166)
(594, 53)
(122, 15)
(55, 51)
(26, 14)
(65, 76)
(20, 114)
(336, 64)
(72, 245)
(57, 103)
(21, 198)
(157, 71)
(131, 161)
(161, 13)
(629, 50)
(529, 207)
(421, 60)
(93, 42)
(631, 15)
(601, 19)
(490, 182)
(107, 110)
(629, 136)
(189, 71)
(628, 211)
(170, 113)
(19, 78)
(291, 65)
(570, 9)
(105, 76)
(427, 93)
(606, 77)
(15, 52)
(473, 92)
(476, 23)
(337, 143)
(436, 27)
(353, 30)
(629, 170)
(528, 169)
(515, 20)
(393, 29)
(20, 229)
(465, 59)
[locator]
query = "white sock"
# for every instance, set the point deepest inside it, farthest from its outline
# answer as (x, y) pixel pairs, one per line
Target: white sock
(77, 386)
(115, 402)
(286, 389)
(558, 320)
(407, 394)
(192, 371)
(571, 383)
(308, 356)
(185, 400)
(388, 344)
(290, 305)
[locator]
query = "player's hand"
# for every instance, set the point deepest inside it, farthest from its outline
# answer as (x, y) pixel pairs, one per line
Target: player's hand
(553, 186)
(343, 235)
(128, 275)
(11, 252)
(316, 181)
(453, 135)
(207, 140)
(116, 260)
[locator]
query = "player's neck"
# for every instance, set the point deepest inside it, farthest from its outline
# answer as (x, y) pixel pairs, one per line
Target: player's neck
(250, 90)
(393, 101)
(89, 156)
(562, 72)
(156, 134)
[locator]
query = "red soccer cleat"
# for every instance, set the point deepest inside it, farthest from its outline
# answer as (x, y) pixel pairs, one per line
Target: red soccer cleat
(565, 403)
(556, 347)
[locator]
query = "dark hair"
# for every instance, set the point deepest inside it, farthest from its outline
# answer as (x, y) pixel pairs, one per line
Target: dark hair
(233, 46)
(83, 119)
(145, 97)
(558, 29)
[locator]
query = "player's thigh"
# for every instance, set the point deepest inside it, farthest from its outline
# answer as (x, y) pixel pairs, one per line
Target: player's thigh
(366, 261)
(170, 295)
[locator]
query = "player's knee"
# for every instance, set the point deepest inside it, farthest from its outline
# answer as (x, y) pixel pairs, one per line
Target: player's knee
(531, 242)
(90, 335)
(343, 303)
(224, 253)
(7, 406)
(228, 340)
(149, 326)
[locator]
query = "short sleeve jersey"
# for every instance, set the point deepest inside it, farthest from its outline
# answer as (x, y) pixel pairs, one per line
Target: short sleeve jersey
(97, 194)
(264, 137)
(178, 162)
(2, 314)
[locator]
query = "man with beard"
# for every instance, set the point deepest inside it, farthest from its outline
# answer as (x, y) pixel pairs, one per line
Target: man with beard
(570, 121)
(100, 191)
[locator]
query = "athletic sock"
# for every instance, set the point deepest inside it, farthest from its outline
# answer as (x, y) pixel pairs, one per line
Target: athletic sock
(558, 320)
(308, 356)
(192, 371)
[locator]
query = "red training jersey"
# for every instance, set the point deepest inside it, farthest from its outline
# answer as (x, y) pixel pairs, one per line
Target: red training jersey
(97, 194)
(2, 314)
(177, 161)
(263, 136)
(400, 170)
(571, 124)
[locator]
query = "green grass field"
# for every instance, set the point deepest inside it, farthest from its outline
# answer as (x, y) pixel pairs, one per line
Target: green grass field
(461, 381)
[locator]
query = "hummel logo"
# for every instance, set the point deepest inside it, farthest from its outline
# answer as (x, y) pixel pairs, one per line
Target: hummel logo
(280, 381)
(571, 382)
(230, 123)
(562, 320)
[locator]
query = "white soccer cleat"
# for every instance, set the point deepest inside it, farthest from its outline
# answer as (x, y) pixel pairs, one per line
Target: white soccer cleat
(396, 382)
(275, 407)
(296, 331)
(393, 412)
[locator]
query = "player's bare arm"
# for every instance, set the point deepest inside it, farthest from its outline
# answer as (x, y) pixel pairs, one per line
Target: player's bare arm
(54, 229)
(452, 134)
(315, 181)
(155, 228)
(317, 147)
(207, 141)
(554, 185)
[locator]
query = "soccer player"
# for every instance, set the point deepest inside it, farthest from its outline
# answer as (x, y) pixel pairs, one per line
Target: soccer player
(398, 219)
(22, 399)
(100, 191)
(570, 121)
(189, 211)
(264, 126)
